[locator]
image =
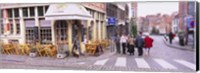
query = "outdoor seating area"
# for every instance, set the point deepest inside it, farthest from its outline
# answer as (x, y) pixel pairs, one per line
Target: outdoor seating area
(25, 49)
(49, 50)
(92, 47)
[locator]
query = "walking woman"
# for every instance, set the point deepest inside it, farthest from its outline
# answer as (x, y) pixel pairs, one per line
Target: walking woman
(131, 45)
(148, 44)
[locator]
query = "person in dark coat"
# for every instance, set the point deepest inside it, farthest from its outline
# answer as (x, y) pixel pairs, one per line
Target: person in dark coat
(171, 37)
(148, 44)
(139, 42)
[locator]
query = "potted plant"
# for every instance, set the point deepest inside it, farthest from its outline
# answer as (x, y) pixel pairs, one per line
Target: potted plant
(33, 52)
(61, 53)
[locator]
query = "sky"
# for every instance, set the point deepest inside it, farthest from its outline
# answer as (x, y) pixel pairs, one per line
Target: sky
(147, 8)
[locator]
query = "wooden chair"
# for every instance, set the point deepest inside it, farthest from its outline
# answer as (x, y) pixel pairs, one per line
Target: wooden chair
(7, 49)
(50, 51)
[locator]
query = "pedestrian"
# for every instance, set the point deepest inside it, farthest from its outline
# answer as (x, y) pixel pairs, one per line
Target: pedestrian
(139, 42)
(171, 37)
(76, 47)
(131, 45)
(123, 41)
(117, 43)
(148, 44)
(75, 51)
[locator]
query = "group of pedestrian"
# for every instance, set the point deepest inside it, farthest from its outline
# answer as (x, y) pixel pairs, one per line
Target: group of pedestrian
(128, 44)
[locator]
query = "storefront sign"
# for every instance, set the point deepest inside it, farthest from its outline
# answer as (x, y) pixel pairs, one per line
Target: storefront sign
(190, 23)
(111, 21)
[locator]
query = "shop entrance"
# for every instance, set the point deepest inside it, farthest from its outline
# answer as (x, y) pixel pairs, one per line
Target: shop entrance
(61, 31)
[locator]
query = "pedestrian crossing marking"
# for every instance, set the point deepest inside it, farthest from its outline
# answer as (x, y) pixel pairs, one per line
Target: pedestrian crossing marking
(185, 63)
(81, 63)
(141, 63)
(121, 61)
(101, 62)
(165, 64)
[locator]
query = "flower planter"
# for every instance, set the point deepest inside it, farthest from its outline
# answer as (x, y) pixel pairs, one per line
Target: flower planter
(60, 56)
(32, 54)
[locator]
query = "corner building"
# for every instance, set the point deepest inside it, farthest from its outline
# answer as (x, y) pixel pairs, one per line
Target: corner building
(54, 23)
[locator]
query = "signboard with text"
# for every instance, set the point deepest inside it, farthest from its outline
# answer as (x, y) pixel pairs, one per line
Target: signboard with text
(190, 23)
(111, 21)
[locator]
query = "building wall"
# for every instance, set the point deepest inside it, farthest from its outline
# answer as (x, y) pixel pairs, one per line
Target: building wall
(98, 9)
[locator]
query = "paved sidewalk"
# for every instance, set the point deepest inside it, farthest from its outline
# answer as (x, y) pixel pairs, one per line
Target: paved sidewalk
(175, 44)
(50, 61)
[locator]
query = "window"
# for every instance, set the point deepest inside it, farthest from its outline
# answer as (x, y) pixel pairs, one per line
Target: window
(2, 28)
(102, 29)
(16, 10)
(97, 28)
(18, 28)
(25, 12)
(46, 8)
(32, 11)
(11, 28)
(29, 35)
(40, 11)
(45, 33)
(61, 29)
(10, 13)
(91, 30)
(1, 13)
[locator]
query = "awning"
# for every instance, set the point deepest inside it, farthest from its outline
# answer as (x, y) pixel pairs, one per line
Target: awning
(67, 12)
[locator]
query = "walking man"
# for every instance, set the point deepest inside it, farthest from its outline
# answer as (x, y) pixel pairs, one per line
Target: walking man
(123, 41)
(139, 42)
(171, 37)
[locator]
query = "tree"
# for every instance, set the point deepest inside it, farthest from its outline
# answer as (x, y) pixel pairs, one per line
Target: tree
(134, 28)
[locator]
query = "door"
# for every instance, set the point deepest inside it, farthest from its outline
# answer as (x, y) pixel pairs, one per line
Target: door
(61, 31)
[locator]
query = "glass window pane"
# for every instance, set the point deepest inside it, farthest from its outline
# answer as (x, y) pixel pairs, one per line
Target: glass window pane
(25, 12)
(40, 11)
(32, 11)
(16, 10)
(46, 8)
(10, 13)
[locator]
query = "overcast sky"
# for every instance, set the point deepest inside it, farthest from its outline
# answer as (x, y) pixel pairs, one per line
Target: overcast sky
(146, 8)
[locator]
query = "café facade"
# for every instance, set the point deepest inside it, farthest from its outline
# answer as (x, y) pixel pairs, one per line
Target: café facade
(52, 23)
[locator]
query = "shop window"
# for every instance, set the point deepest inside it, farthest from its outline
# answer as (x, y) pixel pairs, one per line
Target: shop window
(91, 30)
(45, 33)
(25, 12)
(2, 28)
(9, 13)
(102, 29)
(18, 28)
(29, 35)
(97, 29)
(61, 30)
(32, 11)
(11, 28)
(40, 11)
(1, 13)
(16, 11)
